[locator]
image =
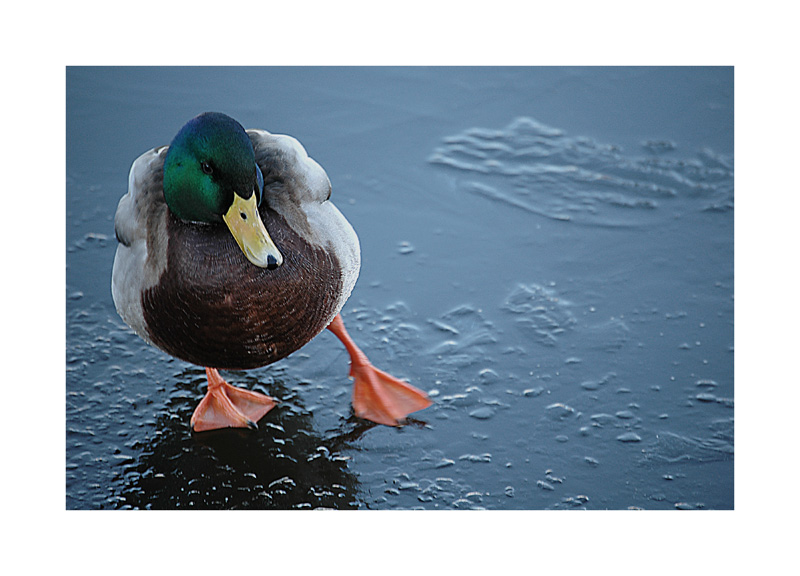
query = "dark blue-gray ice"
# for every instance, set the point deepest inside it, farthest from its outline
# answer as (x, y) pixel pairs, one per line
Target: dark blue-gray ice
(548, 252)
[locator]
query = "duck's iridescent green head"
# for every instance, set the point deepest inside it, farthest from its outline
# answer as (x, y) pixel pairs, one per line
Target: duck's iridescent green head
(209, 160)
(211, 175)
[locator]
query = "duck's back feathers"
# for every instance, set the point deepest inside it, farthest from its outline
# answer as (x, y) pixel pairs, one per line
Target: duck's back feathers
(297, 187)
(141, 254)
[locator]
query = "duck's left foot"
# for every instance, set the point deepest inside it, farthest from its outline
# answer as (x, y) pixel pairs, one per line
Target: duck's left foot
(378, 396)
(226, 406)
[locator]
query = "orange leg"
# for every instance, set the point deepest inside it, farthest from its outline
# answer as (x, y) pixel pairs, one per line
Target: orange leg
(226, 406)
(377, 396)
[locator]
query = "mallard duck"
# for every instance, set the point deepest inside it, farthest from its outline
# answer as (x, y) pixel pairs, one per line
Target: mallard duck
(232, 256)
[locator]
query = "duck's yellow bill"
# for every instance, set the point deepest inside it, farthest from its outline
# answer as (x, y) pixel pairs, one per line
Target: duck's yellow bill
(252, 237)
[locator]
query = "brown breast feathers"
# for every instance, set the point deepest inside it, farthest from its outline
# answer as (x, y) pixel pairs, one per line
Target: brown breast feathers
(212, 307)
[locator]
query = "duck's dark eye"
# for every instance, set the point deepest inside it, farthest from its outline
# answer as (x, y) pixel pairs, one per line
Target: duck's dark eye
(206, 167)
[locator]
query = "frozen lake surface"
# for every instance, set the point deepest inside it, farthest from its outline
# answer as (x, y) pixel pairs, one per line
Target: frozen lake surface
(548, 252)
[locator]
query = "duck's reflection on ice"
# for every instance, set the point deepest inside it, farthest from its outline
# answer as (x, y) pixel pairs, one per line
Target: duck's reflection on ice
(284, 464)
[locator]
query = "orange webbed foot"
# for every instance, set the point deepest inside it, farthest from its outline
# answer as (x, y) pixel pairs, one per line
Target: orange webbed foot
(382, 398)
(226, 406)
(378, 396)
